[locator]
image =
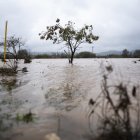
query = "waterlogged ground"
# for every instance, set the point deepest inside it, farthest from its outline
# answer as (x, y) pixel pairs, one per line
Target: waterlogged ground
(53, 96)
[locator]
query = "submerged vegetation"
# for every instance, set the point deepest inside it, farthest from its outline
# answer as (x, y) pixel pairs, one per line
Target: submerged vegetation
(13, 45)
(13, 53)
(8, 71)
(29, 117)
(115, 108)
(9, 84)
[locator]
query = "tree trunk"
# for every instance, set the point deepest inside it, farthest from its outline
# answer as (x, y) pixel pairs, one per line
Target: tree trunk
(71, 58)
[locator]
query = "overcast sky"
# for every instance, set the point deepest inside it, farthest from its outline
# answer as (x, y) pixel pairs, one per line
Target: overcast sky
(116, 22)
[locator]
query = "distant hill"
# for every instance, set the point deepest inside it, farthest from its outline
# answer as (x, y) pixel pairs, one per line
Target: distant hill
(108, 53)
(36, 53)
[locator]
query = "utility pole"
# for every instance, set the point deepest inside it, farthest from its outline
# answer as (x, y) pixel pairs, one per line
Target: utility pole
(92, 48)
(5, 41)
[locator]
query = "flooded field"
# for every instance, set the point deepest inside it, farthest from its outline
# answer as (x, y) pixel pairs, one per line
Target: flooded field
(53, 97)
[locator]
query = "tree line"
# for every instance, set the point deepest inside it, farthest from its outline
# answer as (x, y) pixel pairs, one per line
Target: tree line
(84, 54)
(125, 54)
(23, 54)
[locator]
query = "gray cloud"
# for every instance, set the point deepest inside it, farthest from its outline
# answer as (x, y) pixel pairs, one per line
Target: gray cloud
(115, 21)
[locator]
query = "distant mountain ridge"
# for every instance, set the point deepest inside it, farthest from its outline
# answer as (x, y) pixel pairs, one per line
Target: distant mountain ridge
(109, 53)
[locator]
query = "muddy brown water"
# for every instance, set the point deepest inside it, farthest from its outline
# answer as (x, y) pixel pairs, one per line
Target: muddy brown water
(57, 94)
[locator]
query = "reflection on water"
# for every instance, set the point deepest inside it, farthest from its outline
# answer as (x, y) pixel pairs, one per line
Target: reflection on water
(58, 94)
(67, 94)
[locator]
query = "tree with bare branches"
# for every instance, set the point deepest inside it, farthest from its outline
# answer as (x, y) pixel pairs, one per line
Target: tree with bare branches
(14, 45)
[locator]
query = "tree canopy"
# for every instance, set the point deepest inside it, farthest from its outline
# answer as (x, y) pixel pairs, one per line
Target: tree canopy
(72, 37)
(125, 53)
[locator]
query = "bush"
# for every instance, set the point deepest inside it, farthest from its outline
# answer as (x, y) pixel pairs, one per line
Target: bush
(8, 71)
(86, 55)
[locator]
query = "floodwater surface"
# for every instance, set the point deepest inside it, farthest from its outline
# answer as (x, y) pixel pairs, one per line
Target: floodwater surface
(53, 96)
